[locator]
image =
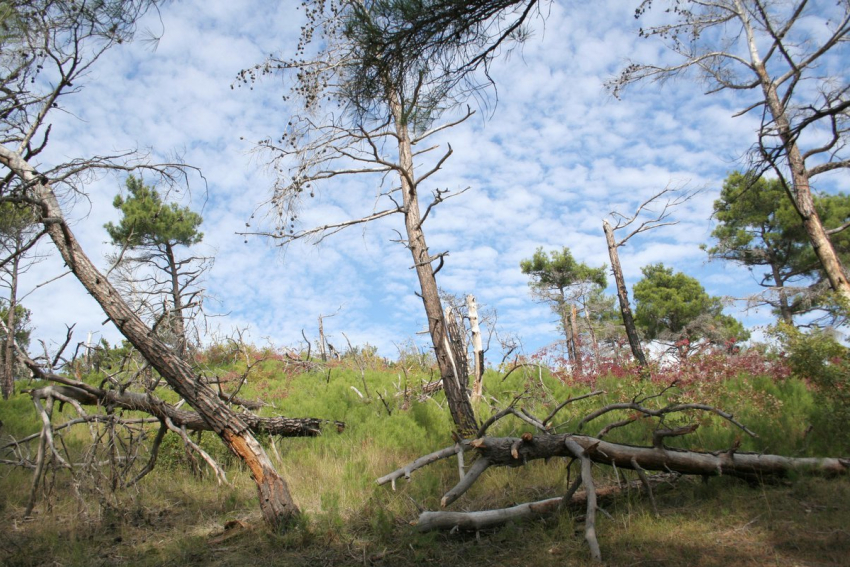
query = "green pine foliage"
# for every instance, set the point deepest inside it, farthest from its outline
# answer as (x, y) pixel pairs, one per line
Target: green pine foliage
(675, 306)
(758, 227)
(558, 271)
(149, 222)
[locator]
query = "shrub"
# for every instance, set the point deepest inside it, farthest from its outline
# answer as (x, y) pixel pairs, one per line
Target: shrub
(818, 358)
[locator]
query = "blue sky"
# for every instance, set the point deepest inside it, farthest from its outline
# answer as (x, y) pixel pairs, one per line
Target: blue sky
(553, 160)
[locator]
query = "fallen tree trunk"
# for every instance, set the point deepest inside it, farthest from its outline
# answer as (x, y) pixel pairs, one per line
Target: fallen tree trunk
(475, 521)
(192, 421)
(517, 451)
(497, 450)
(514, 452)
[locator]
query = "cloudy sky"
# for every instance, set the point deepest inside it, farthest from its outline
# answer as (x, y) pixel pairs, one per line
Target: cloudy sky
(545, 168)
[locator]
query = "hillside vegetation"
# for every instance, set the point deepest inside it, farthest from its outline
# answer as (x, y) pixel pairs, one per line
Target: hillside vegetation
(180, 514)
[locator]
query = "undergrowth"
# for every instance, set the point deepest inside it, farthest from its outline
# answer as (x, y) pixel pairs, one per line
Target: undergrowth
(178, 513)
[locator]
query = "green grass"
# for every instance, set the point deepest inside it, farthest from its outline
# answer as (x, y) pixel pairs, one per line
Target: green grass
(177, 515)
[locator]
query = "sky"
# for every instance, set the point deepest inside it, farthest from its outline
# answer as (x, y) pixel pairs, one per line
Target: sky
(553, 158)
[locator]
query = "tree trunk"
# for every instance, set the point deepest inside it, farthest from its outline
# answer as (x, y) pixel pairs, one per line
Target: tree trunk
(565, 324)
(516, 452)
(9, 347)
(593, 340)
(801, 194)
(454, 377)
(178, 324)
(576, 341)
(784, 308)
(623, 295)
(276, 503)
(477, 347)
(501, 451)
(322, 344)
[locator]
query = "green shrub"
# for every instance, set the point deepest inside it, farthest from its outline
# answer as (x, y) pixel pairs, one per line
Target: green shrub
(822, 361)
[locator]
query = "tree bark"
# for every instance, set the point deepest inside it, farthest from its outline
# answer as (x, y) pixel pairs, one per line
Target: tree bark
(454, 377)
(477, 347)
(623, 295)
(276, 503)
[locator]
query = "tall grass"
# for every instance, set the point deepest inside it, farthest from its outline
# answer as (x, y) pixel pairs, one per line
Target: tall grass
(333, 476)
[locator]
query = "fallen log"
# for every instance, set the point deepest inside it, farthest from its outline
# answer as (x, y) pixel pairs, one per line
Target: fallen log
(514, 452)
(476, 521)
(89, 395)
(497, 450)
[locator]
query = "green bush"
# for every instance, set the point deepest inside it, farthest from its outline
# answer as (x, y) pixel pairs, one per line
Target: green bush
(818, 358)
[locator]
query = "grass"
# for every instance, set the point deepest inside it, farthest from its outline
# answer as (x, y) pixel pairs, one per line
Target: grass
(178, 516)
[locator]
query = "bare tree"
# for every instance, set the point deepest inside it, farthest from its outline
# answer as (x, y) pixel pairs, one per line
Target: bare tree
(779, 50)
(63, 41)
(344, 132)
(623, 222)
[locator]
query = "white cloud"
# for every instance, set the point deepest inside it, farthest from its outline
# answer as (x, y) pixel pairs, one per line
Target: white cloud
(554, 159)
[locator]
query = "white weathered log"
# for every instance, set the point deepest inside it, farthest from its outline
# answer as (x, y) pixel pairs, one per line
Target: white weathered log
(474, 521)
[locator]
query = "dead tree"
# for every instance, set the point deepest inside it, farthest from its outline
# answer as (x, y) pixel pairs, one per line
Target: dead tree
(477, 347)
(384, 140)
(613, 244)
(123, 450)
(769, 49)
(587, 450)
(68, 42)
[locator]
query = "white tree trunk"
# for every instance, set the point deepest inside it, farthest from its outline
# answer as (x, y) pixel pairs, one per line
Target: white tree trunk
(477, 347)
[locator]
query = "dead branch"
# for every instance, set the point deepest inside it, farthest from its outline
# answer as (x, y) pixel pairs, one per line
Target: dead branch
(90, 395)
(587, 479)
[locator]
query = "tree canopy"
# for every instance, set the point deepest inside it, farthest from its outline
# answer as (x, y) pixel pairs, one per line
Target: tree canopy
(759, 227)
(147, 221)
(675, 306)
(558, 271)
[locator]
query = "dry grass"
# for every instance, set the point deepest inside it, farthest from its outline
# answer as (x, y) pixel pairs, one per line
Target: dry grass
(180, 520)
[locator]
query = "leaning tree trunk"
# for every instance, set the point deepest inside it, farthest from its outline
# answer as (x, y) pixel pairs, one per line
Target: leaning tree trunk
(276, 503)
(453, 374)
(801, 193)
(623, 295)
